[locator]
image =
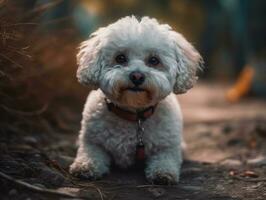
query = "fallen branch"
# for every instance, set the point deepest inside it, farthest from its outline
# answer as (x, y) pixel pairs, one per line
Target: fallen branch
(143, 186)
(36, 188)
(66, 174)
(249, 179)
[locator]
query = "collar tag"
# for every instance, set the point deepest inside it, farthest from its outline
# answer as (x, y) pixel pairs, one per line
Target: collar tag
(140, 150)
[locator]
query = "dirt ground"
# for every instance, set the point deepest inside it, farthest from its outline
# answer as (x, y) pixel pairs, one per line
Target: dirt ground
(224, 159)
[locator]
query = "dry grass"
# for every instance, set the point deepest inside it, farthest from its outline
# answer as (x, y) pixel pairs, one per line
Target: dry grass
(36, 68)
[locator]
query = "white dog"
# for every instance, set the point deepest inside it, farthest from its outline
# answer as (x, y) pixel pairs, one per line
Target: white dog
(134, 66)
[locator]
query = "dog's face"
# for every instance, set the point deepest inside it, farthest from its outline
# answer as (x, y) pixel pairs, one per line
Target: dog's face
(137, 63)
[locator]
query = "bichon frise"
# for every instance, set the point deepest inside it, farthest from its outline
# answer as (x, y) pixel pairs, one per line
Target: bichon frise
(134, 67)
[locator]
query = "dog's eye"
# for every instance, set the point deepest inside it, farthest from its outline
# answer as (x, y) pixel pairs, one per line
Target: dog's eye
(154, 61)
(121, 59)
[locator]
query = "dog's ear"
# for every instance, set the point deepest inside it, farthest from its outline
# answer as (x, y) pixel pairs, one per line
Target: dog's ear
(89, 61)
(188, 62)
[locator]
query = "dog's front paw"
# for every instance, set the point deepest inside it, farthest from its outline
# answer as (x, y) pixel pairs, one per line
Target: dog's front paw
(162, 174)
(86, 170)
(163, 178)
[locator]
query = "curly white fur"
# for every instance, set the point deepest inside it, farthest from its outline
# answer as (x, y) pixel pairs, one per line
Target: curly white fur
(104, 137)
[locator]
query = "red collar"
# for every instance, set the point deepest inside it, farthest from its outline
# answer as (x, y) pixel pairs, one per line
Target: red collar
(129, 115)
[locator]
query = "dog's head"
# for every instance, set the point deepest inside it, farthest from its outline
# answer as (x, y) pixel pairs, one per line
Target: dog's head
(138, 63)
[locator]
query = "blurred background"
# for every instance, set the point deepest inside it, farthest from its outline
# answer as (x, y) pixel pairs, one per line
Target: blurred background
(41, 101)
(39, 40)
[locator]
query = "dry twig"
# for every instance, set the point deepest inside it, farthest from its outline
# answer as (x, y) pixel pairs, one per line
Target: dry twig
(69, 177)
(36, 188)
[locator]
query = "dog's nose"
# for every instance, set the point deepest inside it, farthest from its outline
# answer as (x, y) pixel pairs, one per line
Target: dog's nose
(137, 78)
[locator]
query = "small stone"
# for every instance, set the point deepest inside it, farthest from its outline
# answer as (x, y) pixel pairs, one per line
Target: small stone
(233, 172)
(231, 162)
(30, 140)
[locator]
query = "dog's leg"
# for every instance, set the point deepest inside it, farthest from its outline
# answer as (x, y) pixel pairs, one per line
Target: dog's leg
(91, 162)
(163, 168)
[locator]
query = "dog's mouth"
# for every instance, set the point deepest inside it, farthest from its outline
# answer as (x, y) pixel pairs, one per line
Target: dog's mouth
(135, 89)
(134, 97)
